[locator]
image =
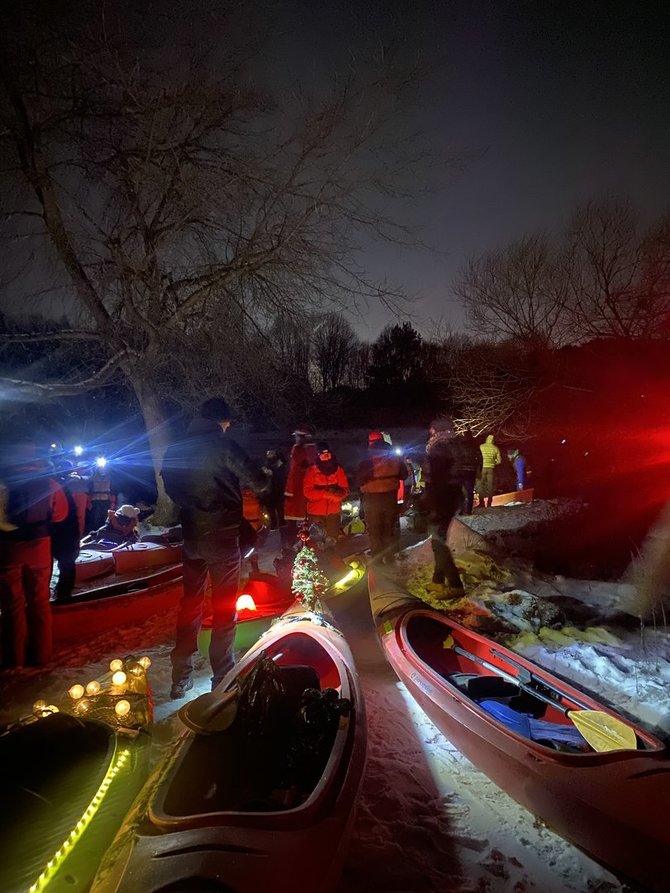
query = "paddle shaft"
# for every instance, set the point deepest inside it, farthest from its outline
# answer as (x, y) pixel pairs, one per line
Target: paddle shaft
(537, 678)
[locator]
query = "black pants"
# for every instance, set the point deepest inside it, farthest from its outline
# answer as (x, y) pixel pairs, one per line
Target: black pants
(381, 512)
(216, 558)
(468, 487)
(67, 569)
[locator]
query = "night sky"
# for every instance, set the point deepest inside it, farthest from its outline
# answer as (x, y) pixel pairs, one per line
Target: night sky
(551, 103)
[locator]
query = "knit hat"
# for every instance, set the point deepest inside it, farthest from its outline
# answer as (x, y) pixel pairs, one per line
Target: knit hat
(322, 447)
(127, 511)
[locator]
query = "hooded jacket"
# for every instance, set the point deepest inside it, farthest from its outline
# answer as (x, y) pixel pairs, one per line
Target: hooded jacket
(490, 453)
(203, 474)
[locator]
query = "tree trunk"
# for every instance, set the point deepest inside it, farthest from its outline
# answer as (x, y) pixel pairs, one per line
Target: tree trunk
(159, 439)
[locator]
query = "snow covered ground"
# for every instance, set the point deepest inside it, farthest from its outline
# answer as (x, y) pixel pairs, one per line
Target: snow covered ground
(428, 821)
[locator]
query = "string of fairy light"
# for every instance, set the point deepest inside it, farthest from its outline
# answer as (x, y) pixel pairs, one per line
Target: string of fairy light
(115, 698)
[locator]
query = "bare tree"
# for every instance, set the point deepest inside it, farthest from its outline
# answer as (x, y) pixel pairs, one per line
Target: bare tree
(517, 292)
(494, 387)
(618, 275)
(358, 369)
(159, 194)
(333, 343)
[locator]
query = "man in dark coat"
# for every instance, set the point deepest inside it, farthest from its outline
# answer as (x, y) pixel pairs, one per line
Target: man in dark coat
(277, 471)
(202, 474)
(467, 467)
(443, 499)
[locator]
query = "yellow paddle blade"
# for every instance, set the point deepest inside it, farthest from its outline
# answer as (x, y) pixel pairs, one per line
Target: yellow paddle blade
(602, 731)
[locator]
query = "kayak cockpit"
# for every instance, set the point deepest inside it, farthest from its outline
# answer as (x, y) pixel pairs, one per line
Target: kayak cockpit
(549, 714)
(281, 751)
(52, 769)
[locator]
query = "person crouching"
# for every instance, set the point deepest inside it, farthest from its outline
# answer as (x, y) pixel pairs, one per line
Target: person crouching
(325, 487)
(120, 528)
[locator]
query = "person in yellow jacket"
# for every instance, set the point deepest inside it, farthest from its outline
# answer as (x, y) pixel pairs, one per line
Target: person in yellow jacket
(490, 461)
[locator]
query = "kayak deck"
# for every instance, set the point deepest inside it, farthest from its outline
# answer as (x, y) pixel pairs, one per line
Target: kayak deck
(235, 772)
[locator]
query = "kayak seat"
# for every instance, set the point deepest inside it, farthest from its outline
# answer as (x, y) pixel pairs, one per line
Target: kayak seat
(494, 688)
(295, 679)
(491, 687)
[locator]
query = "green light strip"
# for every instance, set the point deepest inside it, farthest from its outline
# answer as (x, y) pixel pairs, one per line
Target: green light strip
(87, 817)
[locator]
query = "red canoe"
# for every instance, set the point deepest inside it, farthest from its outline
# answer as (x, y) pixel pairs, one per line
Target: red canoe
(96, 560)
(508, 716)
(134, 599)
(227, 811)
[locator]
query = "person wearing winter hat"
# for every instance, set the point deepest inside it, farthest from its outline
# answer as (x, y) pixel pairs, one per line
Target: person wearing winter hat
(204, 473)
(443, 496)
(325, 487)
(121, 527)
(303, 455)
(490, 461)
(379, 475)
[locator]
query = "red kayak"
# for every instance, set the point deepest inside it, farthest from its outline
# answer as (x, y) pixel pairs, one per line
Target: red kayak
(262, 795)
(595, 778)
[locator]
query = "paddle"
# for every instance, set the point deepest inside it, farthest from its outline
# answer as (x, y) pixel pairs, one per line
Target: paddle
(603, 732)
(211, 712)
(526, 677)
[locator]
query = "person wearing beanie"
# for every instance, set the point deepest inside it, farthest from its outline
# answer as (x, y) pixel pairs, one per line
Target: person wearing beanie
(444, 497)
(490, 461)
(204, 473)
(379, 476)
(120, 528)
(325, 487)
(303, 455)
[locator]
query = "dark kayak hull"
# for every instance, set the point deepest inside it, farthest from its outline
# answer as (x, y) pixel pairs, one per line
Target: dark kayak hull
(190, 832)
(73, 779)
(612, 805)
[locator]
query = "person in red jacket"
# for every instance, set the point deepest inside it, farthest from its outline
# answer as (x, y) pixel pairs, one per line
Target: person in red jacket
(303, 454)
(325, 487)
(34, 503)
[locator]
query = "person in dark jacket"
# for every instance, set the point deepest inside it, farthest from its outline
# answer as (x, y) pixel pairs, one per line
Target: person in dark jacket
(277, 470)
(203, 474)
(66, 535)
(34, 502)
(443, 499)
(378, 477)
(467, 467)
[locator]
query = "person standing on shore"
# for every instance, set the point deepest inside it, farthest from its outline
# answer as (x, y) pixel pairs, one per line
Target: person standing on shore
(303, 455)
(203, 475)
(490, 461)
(444, 497)
(34, 502)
